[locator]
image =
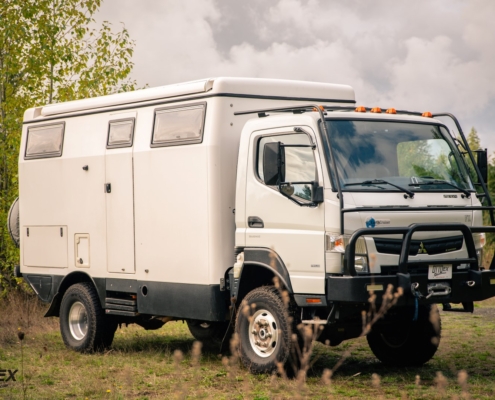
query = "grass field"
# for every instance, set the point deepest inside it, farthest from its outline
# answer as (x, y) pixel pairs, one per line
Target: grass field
(165, 364)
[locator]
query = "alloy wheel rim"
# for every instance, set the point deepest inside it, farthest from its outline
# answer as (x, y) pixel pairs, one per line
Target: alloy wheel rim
(263, 333)
(78, 321)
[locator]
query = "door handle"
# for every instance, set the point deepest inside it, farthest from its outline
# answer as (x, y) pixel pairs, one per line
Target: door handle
(255, 222)
(108, 188)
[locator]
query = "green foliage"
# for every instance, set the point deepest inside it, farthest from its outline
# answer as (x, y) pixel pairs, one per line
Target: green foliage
(49, 52)
(473, 139)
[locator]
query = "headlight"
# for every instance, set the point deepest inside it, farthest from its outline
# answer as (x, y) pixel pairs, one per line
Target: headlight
(336, 243)
(479, 243)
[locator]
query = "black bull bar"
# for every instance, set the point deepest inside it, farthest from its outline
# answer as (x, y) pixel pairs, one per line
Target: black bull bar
(466, 285)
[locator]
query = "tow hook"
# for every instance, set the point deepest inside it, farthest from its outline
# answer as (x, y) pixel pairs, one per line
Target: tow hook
(415, 292)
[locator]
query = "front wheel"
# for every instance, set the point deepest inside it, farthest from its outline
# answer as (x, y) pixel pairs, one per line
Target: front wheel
(83, 324)
(263, 329)
(408, 343)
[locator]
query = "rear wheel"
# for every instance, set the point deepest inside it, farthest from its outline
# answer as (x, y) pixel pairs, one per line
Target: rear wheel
(410, 343)
(263, 329)
(83, 324)
(210, 334)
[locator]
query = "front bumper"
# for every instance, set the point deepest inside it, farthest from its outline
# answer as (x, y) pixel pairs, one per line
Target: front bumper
(465, 285)
(356, 289)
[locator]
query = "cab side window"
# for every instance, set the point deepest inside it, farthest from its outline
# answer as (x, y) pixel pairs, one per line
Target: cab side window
(300, 163)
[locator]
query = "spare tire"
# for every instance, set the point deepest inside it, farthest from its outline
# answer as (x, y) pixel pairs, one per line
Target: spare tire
(13, 222)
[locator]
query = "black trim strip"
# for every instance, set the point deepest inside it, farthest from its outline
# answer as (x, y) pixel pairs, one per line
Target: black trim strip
(148, 103)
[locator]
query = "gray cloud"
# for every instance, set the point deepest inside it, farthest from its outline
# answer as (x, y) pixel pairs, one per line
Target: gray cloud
(419, 55)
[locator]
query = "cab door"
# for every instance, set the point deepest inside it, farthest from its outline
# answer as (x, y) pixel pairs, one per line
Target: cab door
(296, 233)
(119, 189)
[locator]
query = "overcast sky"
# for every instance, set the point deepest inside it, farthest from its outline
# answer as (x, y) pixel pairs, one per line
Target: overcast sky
(435, 55)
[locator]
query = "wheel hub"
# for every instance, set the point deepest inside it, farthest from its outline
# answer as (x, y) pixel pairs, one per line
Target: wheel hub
(263, 333)
(78, 320)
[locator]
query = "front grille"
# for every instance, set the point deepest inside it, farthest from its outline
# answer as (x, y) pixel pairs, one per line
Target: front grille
(427, 246)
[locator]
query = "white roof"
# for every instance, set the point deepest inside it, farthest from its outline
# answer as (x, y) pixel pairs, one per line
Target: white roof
(238, 86)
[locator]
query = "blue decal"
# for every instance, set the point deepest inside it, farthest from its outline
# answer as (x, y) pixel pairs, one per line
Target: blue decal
(370, 222)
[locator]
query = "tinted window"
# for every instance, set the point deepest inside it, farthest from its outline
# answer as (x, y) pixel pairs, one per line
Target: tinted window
(399, 152)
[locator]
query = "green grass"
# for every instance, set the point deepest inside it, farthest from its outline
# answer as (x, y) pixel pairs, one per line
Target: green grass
(142, 365)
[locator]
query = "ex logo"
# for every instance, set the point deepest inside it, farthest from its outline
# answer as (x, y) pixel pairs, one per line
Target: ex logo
(7, 375)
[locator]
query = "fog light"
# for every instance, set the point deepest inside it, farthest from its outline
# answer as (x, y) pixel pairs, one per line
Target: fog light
(361, 264)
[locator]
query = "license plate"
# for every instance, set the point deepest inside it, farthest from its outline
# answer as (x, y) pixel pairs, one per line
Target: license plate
(440, 271)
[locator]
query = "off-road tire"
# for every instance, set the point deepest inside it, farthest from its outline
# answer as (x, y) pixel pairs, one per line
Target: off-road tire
(100, 329)
(210, 334)
(263, 298)
(409, 343)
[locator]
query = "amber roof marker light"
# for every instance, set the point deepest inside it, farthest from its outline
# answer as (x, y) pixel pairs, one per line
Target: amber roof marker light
(427, 114)
(377, 110)
(320, 107)
(360, 109)
(391, 111)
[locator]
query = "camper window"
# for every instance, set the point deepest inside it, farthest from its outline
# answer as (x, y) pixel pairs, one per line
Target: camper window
(178, 126)
(120, 133)
(45, 141)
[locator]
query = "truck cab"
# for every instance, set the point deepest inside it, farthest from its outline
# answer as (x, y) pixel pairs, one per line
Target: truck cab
(352, 204)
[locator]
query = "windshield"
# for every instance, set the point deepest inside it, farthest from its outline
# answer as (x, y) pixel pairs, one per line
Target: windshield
(418, 157)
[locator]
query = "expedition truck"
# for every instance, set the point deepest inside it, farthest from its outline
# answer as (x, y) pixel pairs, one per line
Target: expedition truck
(213, 201)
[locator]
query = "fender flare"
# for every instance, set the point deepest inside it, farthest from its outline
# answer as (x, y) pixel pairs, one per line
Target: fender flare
(269, 259)
(69, 280)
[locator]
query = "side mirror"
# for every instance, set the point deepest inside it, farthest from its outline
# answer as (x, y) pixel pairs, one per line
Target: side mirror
(273, 163)
(482, 163)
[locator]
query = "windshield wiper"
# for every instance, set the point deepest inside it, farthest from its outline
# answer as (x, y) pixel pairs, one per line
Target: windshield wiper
(381, 182)
(441, 182)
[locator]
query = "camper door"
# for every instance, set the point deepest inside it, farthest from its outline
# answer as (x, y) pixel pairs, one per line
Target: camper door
(120, 194)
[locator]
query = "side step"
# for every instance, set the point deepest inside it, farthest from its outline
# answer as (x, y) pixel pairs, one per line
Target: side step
(121, 307)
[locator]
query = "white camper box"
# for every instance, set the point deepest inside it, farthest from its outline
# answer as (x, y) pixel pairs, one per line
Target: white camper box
(159, 215)
(134, 206)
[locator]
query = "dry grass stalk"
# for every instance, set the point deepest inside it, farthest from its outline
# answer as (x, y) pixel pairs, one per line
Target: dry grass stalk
(435, 321)
(462, 379)
(326, 377)
(25, 311)
(441, 383)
